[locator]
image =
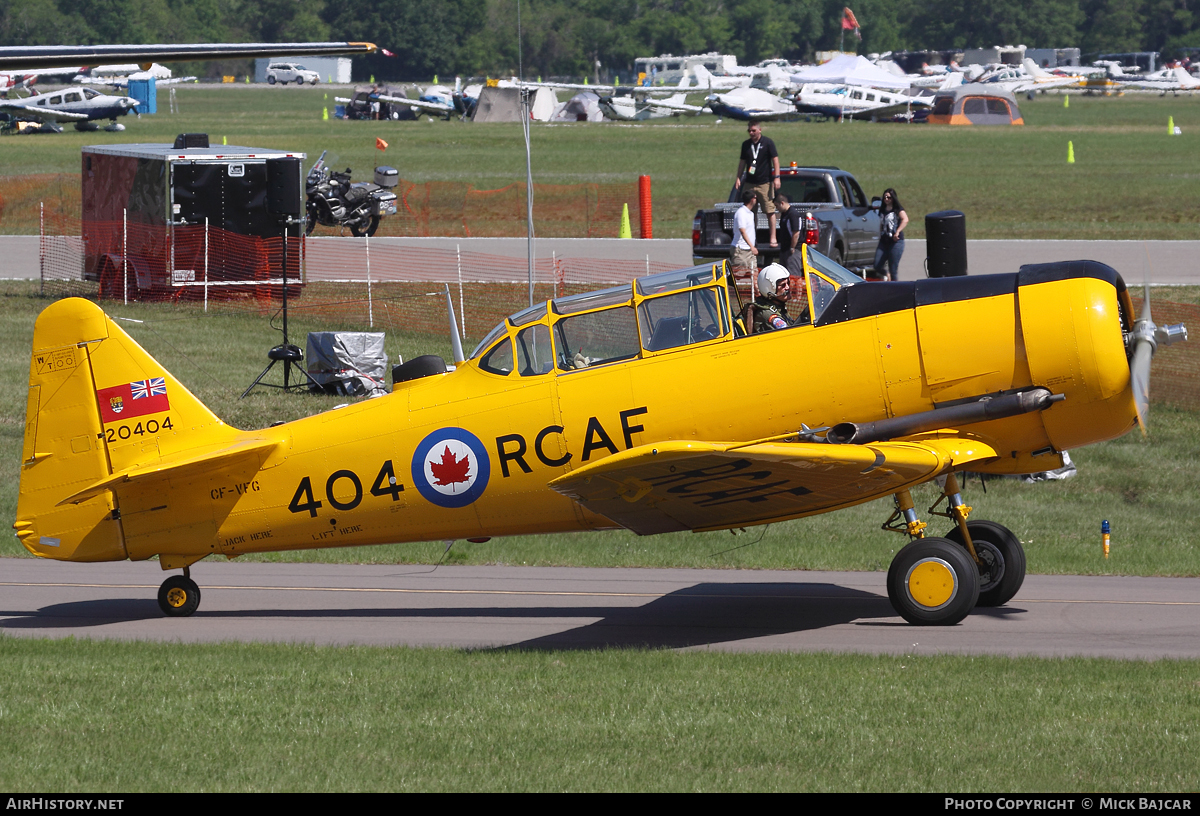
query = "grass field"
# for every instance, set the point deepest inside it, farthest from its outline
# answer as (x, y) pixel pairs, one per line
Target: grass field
(1130, 180)
(127, 717)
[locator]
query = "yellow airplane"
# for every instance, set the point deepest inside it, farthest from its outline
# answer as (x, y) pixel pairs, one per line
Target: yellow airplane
(644, 406)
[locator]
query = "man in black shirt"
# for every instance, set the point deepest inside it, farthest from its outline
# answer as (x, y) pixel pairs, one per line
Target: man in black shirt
(790, 233)
(759, 167)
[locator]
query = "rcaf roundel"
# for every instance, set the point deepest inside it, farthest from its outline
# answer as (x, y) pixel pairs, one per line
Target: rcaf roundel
(451, 468)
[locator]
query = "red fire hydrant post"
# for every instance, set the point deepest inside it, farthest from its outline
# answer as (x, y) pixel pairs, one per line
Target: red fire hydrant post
(645, 207)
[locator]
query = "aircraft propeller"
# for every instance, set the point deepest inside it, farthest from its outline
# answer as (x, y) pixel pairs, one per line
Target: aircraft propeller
(1144, 340)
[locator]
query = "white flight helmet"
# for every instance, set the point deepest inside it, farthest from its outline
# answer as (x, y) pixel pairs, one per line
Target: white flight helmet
(769, 276)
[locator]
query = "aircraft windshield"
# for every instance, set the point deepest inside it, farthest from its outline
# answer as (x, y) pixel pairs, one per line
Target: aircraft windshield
(529, 315)
(676, 279)
(591, 300)
(834, 271)
(822, 290)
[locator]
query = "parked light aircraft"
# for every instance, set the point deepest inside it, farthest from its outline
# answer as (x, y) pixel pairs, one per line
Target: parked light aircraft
(1169, 79)
(637, 102)
(1026, 77)
(642, 406)
(856, 102)
(83, 106)
(751, 103)
(431, 105)
(634, 109)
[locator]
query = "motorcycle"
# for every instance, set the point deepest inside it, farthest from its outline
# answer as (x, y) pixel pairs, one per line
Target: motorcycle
(335, 201)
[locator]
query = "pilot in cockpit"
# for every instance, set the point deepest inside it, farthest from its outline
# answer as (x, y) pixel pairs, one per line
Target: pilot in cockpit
(769, 312)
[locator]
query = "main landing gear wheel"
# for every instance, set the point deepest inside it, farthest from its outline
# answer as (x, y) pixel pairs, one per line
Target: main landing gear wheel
(933, 582)
(178, 596)
(1001, 557)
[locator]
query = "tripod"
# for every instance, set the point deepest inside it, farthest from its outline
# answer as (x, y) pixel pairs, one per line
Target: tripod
(285, 352)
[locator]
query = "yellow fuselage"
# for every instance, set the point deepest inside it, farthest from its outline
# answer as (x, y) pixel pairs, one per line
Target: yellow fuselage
(348, 477)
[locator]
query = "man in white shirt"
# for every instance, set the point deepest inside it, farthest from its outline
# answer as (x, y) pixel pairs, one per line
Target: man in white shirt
(744, 234)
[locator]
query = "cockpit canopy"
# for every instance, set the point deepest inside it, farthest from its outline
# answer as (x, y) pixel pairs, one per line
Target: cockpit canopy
(656, 313)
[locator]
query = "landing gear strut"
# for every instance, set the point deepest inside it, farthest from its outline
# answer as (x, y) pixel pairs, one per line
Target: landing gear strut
(938, 581)
(179, 596)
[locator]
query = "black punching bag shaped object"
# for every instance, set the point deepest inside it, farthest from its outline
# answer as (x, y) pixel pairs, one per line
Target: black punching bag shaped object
(283, 186)
(946, 244)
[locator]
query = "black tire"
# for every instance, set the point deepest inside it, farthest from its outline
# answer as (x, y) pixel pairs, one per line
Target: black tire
(359, 231)
(1003, 569)
(178, 597)
(270, 79)
(933, 582)
(836, 255)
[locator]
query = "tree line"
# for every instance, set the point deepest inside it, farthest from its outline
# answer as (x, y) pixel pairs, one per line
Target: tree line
(567, 38)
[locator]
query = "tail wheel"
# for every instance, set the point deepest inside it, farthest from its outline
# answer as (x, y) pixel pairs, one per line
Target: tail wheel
(933, 582)
(368, 229)
(1002, 560)
(178, 597)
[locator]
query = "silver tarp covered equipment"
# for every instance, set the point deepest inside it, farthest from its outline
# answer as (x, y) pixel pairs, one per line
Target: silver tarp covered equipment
(349, 363)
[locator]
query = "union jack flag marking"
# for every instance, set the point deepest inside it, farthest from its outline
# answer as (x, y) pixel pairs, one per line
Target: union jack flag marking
(153, 387)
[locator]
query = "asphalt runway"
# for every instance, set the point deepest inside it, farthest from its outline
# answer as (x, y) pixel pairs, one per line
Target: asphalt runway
(579, 608)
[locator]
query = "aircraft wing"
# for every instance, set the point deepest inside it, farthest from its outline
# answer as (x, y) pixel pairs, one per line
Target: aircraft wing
(604, 90)
(44, 114)
(888, 111)
(672, 486)
(682, 107)
(437, 107)
(35, 58)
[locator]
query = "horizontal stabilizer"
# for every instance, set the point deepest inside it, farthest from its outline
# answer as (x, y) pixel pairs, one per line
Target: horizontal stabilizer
(189, 466)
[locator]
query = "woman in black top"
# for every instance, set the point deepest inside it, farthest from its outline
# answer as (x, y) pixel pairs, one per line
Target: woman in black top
(892, 221)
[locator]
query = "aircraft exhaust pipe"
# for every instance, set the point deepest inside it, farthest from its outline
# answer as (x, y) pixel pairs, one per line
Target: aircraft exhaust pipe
(1024, 402)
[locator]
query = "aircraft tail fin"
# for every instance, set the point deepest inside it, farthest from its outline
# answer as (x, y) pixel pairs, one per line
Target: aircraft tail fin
(1033, 70)
(98, 404)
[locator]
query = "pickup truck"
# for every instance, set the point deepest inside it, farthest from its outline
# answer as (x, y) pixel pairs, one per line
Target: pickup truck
(848, 225)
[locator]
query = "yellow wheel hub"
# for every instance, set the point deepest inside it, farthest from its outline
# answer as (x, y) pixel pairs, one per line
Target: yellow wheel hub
(176, 597)
(931, 583)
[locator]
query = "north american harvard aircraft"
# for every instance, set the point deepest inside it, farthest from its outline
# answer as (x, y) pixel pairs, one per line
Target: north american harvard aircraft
(644, 406)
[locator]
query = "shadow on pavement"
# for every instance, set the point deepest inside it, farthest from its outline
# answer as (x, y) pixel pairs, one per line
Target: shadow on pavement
(703, 614)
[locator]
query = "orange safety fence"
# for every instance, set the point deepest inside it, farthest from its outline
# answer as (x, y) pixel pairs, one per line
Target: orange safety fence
(459, 210)
(337, 281)
(442, 208)
(1175, 373)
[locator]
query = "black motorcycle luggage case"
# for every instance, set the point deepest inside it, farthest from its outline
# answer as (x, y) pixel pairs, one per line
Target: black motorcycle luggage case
(387, 176)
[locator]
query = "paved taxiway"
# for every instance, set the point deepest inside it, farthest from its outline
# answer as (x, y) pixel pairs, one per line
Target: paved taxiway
(573, 608)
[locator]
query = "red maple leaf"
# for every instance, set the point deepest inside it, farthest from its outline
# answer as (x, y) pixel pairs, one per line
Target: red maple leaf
(451, 469)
